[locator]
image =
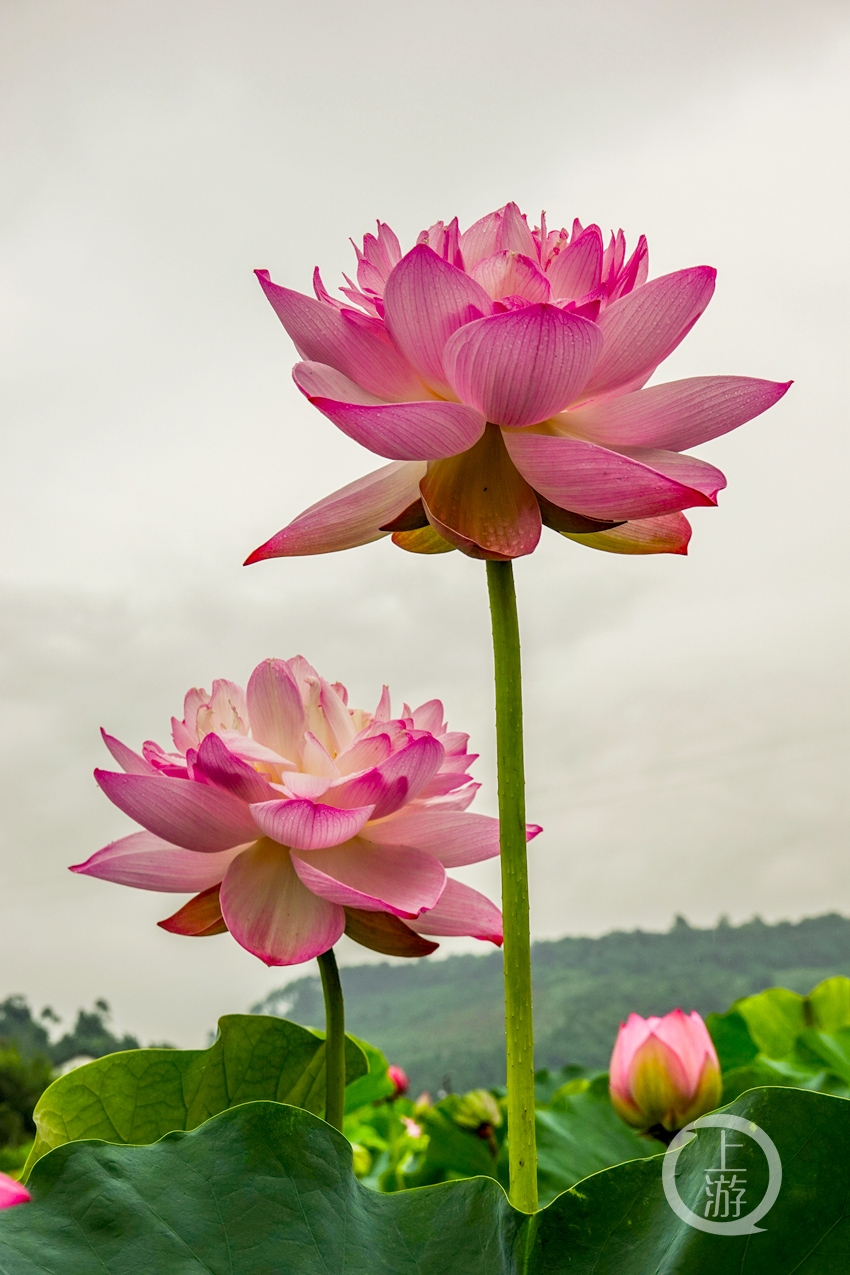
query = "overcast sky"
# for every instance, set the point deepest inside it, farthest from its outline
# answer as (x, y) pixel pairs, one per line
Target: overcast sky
(687, 719)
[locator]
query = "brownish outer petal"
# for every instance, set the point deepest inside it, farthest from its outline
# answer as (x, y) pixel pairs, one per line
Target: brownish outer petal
(382, 932)
(199, 917)
(480, 502)
(667, 533)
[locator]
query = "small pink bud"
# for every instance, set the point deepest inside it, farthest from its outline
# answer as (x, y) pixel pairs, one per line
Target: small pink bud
(664, 1071)
(11, 1192)
(399, 1079)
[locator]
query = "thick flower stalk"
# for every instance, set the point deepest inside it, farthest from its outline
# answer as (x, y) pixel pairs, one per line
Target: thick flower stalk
(664, 1072)
(502, 372)
(12, 1192)
(293, 818)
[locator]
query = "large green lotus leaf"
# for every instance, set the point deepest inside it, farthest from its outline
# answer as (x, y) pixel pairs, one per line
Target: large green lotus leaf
(138, 1096)
(771, 1071)
(771, 1022)
(829, 1004)
(774, 1019)
(732, 1040)
(266, 1189)
(833, 1049)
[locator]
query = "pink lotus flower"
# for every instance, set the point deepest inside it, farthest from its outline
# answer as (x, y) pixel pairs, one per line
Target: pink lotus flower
(12, 1192)
(399, 1078)
(295, 818)
(501, 371)
(664, 1071)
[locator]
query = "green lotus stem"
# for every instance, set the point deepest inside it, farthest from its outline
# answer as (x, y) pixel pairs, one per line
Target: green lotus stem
(522, 1142)
(334, 1039)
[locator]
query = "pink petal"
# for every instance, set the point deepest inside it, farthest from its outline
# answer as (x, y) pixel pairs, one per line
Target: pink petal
(460, 799)
(596, 482)
(368, 789)
(221, 767)
(271, 913)
(668, 533)
(305, 825)
(500, 231)
(452, 836)
(338, 720)
(393, 782)
(426, 300)
(640, 329)
(364, 754)
(252, 751)
(461, 911)
(430, 716)
(299, 784)
(351, 516)
(275, 708)
(687, 1035)
(415, 764)
(356, 344)
(12, 1192)
(677, 415)
(577, 269)
(690, 471)
(523, 366)
(131, 763)
(509, 274)
(455, 837)
(183, 813)
(481, 240)
(320, 380)
(400, 431)
(373, 878)
(633, 274)
(630, 1037)
(514, 234)
(147, 862)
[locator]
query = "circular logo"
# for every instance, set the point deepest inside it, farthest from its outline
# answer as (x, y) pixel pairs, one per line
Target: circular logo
(725, 1188)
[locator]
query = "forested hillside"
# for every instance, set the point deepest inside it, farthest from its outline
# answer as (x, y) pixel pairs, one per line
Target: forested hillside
(442, 1020)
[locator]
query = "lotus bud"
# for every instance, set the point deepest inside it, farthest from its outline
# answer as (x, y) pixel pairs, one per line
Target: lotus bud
(399, 1079)
(12, 1192)
(664, 1072)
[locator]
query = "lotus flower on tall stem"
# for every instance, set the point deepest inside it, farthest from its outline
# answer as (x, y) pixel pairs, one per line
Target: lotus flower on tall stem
(502, 371)
(293, 818)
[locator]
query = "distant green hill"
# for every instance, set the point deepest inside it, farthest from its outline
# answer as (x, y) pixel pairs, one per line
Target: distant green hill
(442, 1020)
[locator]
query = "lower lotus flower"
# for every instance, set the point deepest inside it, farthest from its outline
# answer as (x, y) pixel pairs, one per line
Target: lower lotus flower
(12, 1192)
(664, 1072)
(293, 818)
(502, 371)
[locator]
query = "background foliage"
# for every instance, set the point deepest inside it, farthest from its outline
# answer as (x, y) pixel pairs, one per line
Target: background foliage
(442, 1020)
